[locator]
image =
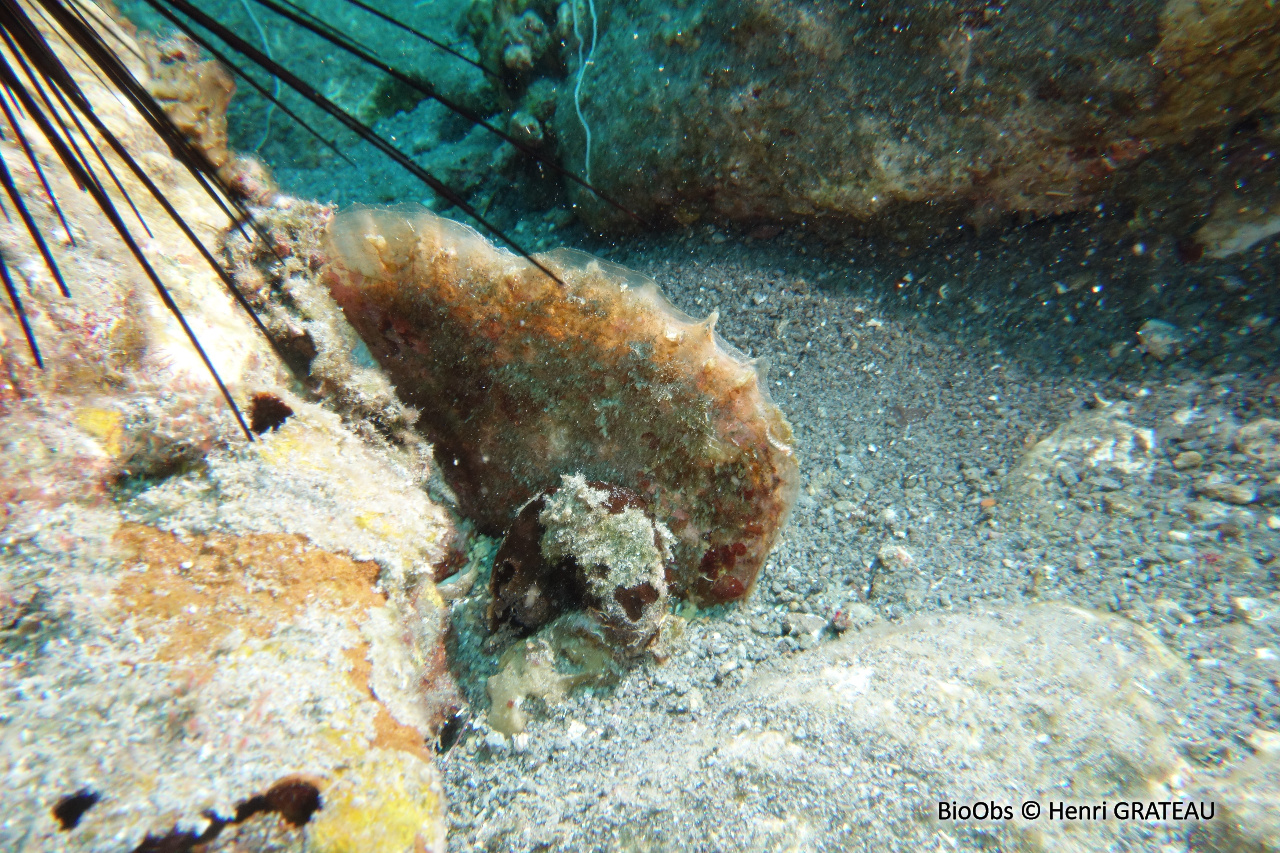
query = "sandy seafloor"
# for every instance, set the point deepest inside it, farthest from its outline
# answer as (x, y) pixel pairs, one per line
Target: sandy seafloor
(916, 386)
(909, 409)
(917, 383)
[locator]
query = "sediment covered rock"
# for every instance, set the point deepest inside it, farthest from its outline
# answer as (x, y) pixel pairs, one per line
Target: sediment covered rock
(906, 121)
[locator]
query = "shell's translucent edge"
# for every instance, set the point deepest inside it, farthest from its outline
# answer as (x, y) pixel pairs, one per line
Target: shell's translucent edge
(522, 378)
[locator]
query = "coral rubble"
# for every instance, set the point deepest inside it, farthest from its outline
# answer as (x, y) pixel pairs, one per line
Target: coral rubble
(522, 378)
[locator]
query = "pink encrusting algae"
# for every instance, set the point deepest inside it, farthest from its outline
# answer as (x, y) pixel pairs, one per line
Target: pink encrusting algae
(521, 378)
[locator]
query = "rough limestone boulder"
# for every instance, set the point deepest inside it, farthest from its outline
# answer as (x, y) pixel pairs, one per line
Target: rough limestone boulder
(202, 638)
(865, 743)
(909, 119)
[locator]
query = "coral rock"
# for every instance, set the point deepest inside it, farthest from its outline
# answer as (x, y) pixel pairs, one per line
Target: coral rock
(522, 378)
(211, 662)
(406, 816)
(194, 92)
(948, 112)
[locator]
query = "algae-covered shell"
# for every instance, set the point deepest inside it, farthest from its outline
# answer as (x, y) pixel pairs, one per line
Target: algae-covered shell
(522, 378)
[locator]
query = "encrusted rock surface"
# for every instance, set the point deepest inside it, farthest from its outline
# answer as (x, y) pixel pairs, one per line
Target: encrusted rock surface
(198, 631)
(521, 378)
(906, 121)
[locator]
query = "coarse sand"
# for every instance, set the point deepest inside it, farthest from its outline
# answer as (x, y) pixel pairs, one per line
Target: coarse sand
(980, 433)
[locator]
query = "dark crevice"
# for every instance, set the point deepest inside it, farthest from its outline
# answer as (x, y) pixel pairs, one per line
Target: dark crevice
(179, 841)
(635, 599)
(70, 809)
(450, 730)
(294, 799)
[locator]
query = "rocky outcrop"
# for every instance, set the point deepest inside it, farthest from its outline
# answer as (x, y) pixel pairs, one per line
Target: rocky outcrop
(202, 637)
(904, 122)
